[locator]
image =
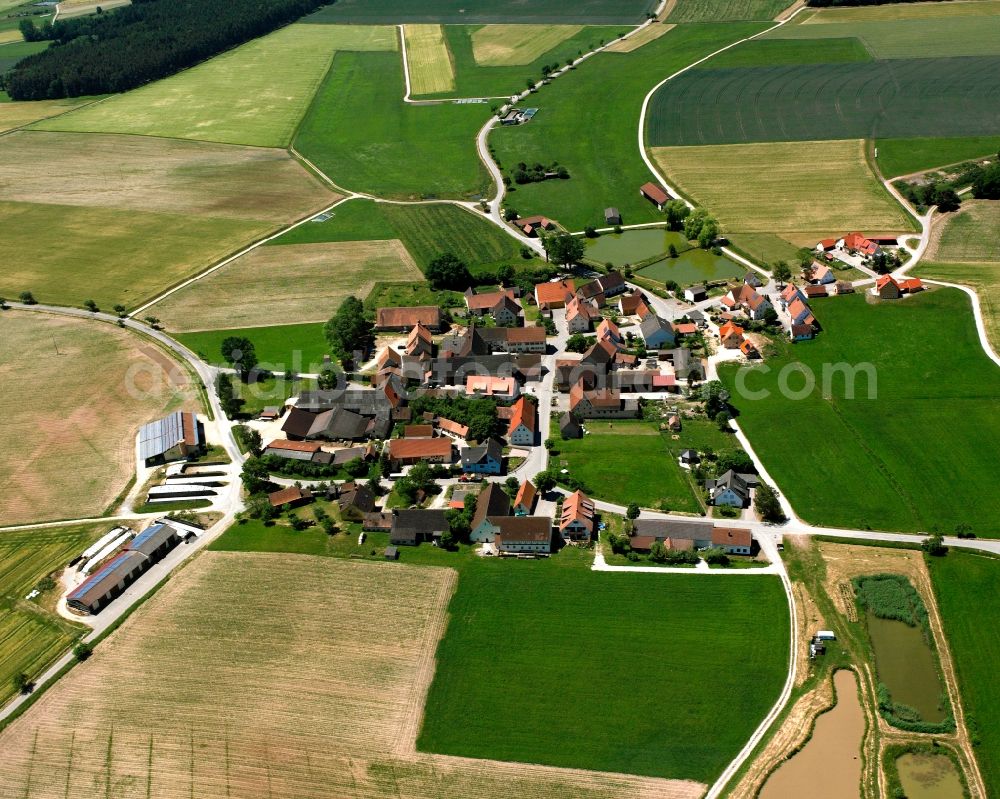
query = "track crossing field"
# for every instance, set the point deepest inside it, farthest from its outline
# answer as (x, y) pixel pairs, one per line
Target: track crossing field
(457, 12)
(878, 471)
(252, 675)
(517, 45)
(900, 98)
(785, 187)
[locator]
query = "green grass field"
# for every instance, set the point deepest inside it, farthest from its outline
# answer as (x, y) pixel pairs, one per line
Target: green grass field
(568, 667)
(604, 461)
(929, 37)
(983, 278)
(966, 588)
(298, 348)
(395, 295)
(30, 636)
(254, 94)
(724, 10)
(474, 79)
(889, 463)
(455, 12)
(354, 220)
(785, 187)
(826, 101)
(13, 52)
(904, 156)
(764, 247)
(429, 230)
(379, 153)
(775, 52)
(605, 164)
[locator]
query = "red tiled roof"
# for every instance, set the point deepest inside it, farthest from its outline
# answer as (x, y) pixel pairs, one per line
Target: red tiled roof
(407, 448)
(654, 193)
(731, 536)
(553, 292)
(454, 428)
(524, 414)
(286, 495)
(294, 446)
(526, 494)
(685, 328)
(429, 315)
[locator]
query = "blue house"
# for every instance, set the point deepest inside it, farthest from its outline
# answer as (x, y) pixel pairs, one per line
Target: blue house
(487, 458)
(657, 332)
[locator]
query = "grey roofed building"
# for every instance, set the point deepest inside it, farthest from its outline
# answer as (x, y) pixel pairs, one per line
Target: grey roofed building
(411, 527)
(612, 283)
(364, 401)
(657, 331)
(108, 582)
(569, 427)
(355, 501)
(342, 456)
(491, 448)
(738, 484)
(155, 541)
(173, 437)
(751, 279)
(345, 424)
(689, 456)
(680, 357)
(695, 530)
(612, 216)
(492, 501)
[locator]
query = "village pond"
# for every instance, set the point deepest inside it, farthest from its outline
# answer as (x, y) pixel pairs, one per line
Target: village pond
(905, 664)
(929, 776)
(829, 765)
(692, 265)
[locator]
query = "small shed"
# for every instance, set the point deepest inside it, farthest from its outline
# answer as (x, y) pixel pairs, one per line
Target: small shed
(391, 553)
(612, 216)
(825, 635)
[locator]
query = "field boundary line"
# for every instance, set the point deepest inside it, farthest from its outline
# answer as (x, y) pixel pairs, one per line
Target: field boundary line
(228, 260)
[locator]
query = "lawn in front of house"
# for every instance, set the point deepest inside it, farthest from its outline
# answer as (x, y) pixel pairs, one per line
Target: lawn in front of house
(626, 461)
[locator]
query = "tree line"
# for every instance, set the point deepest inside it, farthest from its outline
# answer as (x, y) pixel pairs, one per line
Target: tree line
(829, 3)
(149, 40)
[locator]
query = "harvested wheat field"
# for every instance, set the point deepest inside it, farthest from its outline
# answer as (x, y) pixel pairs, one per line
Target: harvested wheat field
(157, 175)
(79, 8)
(128, 216)
(74, 394)
(428, 59)
(277, 675)
(517, 45)
(785, 187)
(282, 285)
(648, 34)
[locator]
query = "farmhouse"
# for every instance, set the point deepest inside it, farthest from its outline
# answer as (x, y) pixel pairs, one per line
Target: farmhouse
(800, 313)
(500, 305)
(492, 503)
(657, 332)
(411, 527)
(504, 389)
(377, 521)
(333, 424)
(356, 500)
(175, 437)
(419, 343)
(530, 225)
(802, 332)
(609, 331)
(452, 428)
(523, 423)
(680, 534)
(887, 288)
(524, 502)
(578, 517)
(628, 304)
(612, 216)
(734, 540)
(789, 294)
(580, 315)
(731, 336)
(747, 298)
(592, 291)
(857, 243)
(401, 320)
(731, 489)
(820, 274)
(654, 194)
(487, 458)
(553, 295)
(407, 451)
(602, 403)
(524, 534)
(752, 280)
